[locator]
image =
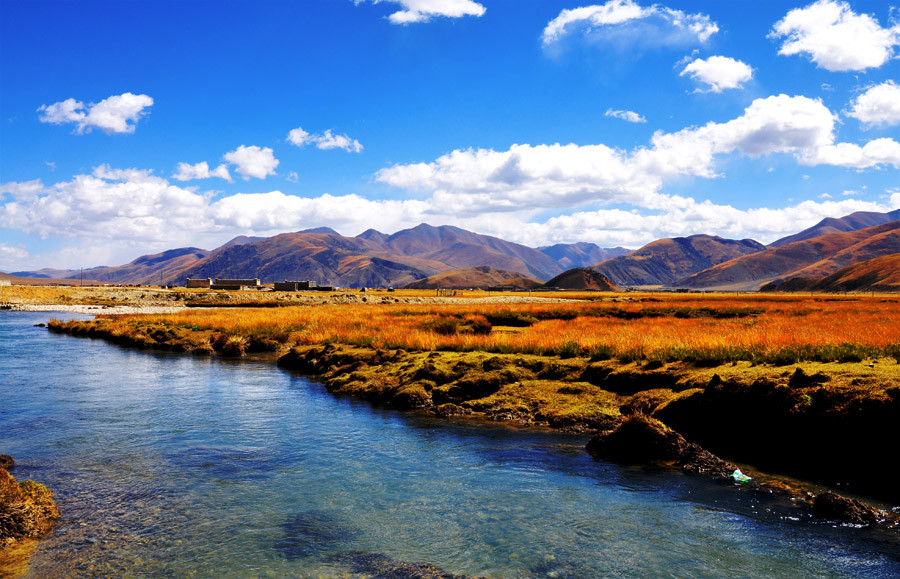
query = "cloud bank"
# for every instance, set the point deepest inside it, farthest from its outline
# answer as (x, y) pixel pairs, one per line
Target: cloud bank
(527, 177)
(115, 212)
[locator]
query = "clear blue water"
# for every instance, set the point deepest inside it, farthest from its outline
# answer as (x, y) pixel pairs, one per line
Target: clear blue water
(173, 466)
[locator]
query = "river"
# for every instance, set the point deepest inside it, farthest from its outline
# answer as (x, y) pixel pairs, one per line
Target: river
(168, 465)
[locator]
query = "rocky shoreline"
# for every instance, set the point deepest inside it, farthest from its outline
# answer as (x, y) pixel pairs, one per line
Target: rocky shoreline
(614, 406)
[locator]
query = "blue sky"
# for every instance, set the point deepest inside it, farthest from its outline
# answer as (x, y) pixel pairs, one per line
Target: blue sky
(133, 127)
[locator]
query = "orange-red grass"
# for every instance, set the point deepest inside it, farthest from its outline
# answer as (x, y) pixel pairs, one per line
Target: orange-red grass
(666, 327)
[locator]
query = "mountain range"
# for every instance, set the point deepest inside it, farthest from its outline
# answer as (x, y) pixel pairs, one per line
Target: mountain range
(376, 259)
(810, 258)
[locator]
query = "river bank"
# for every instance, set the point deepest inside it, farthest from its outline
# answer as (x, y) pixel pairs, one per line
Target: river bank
(179, 465)
(806, 386)
(815, 421)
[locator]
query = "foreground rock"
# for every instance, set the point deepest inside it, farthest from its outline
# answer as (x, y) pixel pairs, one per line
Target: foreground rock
(832, 506)
(383, 567)
(27, 509)
(640, 440)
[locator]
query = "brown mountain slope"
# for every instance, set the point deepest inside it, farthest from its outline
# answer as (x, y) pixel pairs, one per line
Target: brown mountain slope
(569, 255)
(459, 248)
(753, 271)
(852, 222)
(371, 259)
(881, 244)
(582, 278)
(666, 260)
(323, 257)
(881, 274)
(474, 277)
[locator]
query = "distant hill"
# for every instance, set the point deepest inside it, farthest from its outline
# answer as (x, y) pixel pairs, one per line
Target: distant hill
(474, 277)
(852, 222)
(814, 257)
(665, 260)
(881, 274)
(18, 280)
(241, 240)
(582, 278)
(320, 230)
(147, 269)
(569, 255)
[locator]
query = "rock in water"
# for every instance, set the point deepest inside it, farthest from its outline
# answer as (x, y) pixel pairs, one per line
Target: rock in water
(383, 567)
(6, 461)
(26, 509)
(832, 506)
(640, 440)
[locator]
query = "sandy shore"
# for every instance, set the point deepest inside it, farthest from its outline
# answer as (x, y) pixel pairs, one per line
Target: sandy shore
(349, 298)
(82, 309)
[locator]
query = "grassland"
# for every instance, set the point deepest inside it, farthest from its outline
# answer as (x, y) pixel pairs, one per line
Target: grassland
(704, 330)
(807, 385)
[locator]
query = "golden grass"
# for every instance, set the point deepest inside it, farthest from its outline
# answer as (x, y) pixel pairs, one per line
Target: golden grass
(666, 327)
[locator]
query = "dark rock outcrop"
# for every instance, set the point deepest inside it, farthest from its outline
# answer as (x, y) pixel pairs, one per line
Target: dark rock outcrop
(6, 461)
(832, 506)
(795, 424)
(640, 440)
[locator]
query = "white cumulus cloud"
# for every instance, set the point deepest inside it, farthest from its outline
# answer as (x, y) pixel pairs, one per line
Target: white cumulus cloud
(836, 38)
(188, 172)
(253, 161)
(878, 106)
(324, 141)
(626, 23)
(719, 72)
(630, 116)
(527, 177)
(130, 204)
(874, 153)
(424, 10)
(116, 114)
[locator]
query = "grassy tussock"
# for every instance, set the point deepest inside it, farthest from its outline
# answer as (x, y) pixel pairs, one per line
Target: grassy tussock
(27, 509)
